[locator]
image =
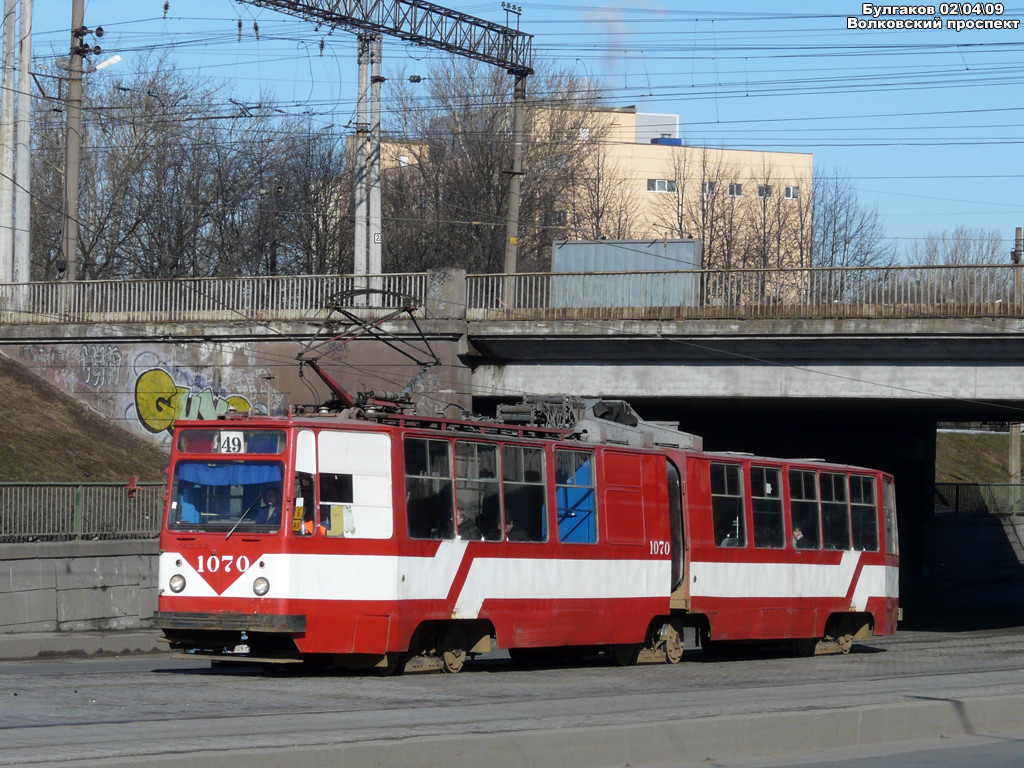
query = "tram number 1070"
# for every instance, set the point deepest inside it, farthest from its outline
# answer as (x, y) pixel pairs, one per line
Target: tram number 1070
(213, 563)
(660, 548)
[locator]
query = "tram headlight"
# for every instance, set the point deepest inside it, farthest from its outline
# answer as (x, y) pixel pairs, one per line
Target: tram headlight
(177, 583)
(261, 586)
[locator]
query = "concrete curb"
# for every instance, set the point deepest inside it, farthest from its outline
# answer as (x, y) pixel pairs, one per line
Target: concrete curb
(18, 646)
(664, 743)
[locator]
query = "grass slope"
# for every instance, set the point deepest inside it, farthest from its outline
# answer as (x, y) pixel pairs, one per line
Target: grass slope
(46, 435)
(972, 457)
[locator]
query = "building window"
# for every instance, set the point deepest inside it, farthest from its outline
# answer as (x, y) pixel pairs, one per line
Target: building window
(576, 490)
(661, 185)
(403, 160)
(764, 191)
(793, 193)
(707, 188)
(735, 190)
(584, 134)
(727, 513)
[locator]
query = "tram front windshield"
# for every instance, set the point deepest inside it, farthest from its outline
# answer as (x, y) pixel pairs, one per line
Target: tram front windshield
(219, 495)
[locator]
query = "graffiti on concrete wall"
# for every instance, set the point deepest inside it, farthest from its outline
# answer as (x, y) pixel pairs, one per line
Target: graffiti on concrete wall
(159, 401)
(100, 365)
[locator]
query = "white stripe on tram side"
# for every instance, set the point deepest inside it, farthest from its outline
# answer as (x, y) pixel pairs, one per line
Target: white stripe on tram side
(794, 580)
(385, 578)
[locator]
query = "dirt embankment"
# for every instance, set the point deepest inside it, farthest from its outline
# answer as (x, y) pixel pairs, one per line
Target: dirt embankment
(46, 435)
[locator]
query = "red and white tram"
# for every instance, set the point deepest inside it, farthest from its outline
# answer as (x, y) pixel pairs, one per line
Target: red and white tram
(371, 538)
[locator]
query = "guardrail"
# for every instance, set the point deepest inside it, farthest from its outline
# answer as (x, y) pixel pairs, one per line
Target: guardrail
(868, 292)
(66, 511)
(976, 499)
(235, 299)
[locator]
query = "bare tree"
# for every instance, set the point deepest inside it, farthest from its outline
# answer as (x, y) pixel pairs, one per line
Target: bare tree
(959, 247)
(845, 232)
(446, 205)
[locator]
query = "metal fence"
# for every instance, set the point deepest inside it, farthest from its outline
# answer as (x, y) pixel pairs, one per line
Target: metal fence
(974, 499)
(67, 511)
(236, 299)
(868, 292)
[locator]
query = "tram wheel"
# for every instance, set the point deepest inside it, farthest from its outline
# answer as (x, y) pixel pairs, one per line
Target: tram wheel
(805, 647)
(453, 648)
(393, 664)
(626, 655)
(673, 644)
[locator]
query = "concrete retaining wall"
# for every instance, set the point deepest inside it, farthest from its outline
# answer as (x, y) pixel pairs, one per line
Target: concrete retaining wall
(80, 585)
(103, 585)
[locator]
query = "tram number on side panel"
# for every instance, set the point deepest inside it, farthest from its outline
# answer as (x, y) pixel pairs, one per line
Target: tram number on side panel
(661, 548)
(212, 564)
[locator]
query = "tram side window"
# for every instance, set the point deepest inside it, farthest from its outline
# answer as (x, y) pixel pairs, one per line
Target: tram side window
(524, 493)
(305, 504)
(892, 544)
(428, 489)
(335, 490)
(727, 505)
(803, 496)
(835, 511)
(477, 492)
(863, 513)
(575, 490)
(766, 496)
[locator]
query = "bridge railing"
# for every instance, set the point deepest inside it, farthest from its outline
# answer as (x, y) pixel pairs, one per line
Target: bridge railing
(898, 292)
(235, 299)
(66, 511)
(868, 292)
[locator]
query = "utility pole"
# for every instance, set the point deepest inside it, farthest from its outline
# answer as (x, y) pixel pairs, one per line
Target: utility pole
(515, 183)
(7, 144)
(360, 257)
(23, 174)
(1015, 427)
(373, 262)
(74, 140)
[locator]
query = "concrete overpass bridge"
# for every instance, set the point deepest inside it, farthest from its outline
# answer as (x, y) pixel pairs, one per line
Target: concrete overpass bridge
(851, 365)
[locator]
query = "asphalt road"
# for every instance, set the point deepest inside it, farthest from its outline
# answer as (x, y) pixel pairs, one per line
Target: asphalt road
(762, 706)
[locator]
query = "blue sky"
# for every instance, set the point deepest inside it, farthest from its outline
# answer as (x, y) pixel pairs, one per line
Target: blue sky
(927, 123)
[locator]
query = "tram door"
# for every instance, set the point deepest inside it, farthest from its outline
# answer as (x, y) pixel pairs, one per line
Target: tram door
(675, 510)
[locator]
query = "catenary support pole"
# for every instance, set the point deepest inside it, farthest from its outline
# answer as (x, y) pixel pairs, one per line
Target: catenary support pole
(360, 265)
(7, 87)
(74, 142)
(23, 172)
(374, 172)
(515, 183)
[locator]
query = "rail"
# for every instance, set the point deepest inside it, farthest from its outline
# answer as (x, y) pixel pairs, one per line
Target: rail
(866, 292)
(203, 300)
(68, 511)
(979, 499)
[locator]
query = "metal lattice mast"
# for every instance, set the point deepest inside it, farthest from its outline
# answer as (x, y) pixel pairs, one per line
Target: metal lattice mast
(423, 23)
(447, 30)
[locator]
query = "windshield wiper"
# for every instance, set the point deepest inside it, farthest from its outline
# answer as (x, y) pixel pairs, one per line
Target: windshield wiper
(240, 519)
